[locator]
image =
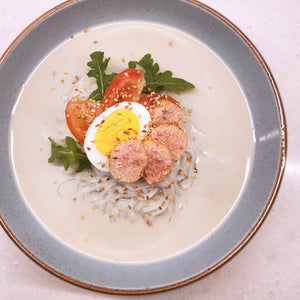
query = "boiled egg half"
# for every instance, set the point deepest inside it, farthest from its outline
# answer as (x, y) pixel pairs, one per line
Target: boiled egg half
(121, 122)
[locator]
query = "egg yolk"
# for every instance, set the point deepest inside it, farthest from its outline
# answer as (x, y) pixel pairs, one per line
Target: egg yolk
(120, 125)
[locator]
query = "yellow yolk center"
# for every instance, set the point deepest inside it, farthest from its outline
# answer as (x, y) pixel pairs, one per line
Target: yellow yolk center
(120, 125)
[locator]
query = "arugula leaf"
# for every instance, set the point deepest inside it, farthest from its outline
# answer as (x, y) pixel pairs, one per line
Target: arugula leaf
(69, 154)
(157, 81)
(146, 63)
(98, 66)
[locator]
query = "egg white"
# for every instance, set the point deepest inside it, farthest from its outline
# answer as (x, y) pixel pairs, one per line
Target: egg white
(93, 154)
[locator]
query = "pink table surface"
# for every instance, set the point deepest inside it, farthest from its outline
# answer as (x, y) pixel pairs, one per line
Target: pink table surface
(269, 266)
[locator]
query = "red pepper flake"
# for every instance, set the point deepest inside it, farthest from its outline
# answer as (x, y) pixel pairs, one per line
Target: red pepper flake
(95, 42)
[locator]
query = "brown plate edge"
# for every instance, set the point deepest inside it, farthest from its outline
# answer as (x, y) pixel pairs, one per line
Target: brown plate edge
(251, 232)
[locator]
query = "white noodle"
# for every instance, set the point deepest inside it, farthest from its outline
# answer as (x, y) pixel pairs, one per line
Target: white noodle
(139, 199)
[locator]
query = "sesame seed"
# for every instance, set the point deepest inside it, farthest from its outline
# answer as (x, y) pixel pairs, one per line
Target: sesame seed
(76, 79)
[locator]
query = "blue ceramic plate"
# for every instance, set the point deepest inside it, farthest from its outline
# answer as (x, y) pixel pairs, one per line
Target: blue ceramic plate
(263, 100)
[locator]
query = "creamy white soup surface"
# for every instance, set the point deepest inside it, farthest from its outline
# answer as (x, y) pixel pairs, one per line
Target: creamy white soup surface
(219, 109)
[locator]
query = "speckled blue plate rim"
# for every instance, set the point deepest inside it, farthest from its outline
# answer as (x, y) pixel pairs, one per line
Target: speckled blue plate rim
(265, 105)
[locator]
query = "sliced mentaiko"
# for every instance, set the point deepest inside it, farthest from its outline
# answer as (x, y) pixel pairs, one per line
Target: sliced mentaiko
(160, 161)
(152, 99)
(167, 112)
(174, 137)
(163, 108)
(128, 160)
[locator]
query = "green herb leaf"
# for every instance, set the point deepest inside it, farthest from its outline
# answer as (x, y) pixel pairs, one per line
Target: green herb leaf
(69, 154)
(157, 81)
(98, 66)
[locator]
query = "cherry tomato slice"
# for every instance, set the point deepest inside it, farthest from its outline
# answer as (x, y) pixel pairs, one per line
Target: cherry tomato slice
(126, 86)
(149, 100)
(80, 114)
